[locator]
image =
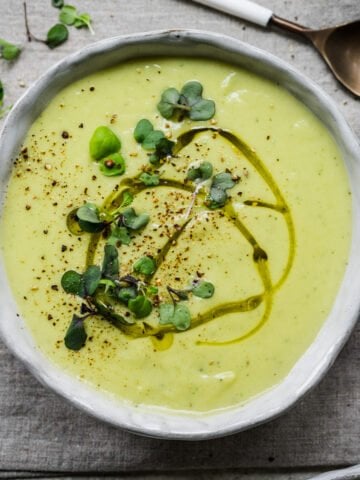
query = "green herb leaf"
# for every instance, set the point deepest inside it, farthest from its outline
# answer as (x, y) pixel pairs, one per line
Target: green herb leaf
(164, 147)
(57, 35)
(127, 199)
(152, 139)
(127, 293)
(89, 218)
(145, 265)
(119, 235)
(149, 179)
(103, 143)
(68, 14)
(218, 196)
(203, 110)
(133, 221)
(140, 306)
(200, 173)
(110, 266)
(113, 165)
(192, 92)
(189, 102)
(88, 213)
(75, 337)
(223, 181)
(143, 128)
(177, 315)
(57, 3)
(72, 282)
(154, 159)
(83, 20)
(203, 290)
(169, 100)
(91, 279)
(166, 311)
(8, 51)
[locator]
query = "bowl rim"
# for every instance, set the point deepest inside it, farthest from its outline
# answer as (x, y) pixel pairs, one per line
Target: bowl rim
(152, 421)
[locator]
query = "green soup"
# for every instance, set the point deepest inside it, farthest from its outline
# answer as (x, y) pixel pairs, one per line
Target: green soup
(267, 251)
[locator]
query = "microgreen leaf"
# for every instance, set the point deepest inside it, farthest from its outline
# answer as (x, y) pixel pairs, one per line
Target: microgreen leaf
(91, 279)
(112, 165)
(83, 21)
(110, 266)
(149, 179)
(223, 181)
(203, 290)
(57, 35)
(68, 14)
(119, 235)
(8, 51)
(127, 293)
(89, 218)
(189, 102)
(127, 199)
(103, 143)
(57, 3)
(166, 311)
(200, 173)
(133, 221)
(145, 265)
(164, 147)
(177, 315)
(75, 336)
(140, 306)
(142, 130)
(169, 100)
(192, 92)
(218, 196)
(152, 139)
(88, 213)
(202, 110)
(72, 282)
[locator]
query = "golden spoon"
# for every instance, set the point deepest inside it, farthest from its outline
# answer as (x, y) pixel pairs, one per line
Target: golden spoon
(339, 46)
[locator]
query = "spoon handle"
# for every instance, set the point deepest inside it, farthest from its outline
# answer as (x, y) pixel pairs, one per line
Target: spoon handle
(242, 8)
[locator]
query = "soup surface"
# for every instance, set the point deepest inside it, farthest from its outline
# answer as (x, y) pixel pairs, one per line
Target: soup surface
(274, 250)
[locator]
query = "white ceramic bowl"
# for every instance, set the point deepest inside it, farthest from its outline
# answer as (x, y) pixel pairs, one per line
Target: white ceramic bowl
(313, 364)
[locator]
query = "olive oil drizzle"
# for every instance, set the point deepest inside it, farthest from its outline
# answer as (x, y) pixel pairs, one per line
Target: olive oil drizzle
(133, 186)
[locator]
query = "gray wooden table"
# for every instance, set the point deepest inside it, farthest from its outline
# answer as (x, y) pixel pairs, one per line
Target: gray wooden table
(40, 434)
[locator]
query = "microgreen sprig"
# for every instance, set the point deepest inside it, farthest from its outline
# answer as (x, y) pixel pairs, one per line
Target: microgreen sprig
(70, 16)
(188, 102)
(57, 34)
(218, 196)
(152, 140)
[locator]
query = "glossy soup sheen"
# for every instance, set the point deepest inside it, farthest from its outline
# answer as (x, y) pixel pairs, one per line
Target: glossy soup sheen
(292, 201)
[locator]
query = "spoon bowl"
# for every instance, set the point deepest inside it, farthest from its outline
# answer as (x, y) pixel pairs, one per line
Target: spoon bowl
(339, 46)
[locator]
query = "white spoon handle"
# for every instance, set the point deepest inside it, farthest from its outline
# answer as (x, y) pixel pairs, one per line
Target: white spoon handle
(241, 8)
